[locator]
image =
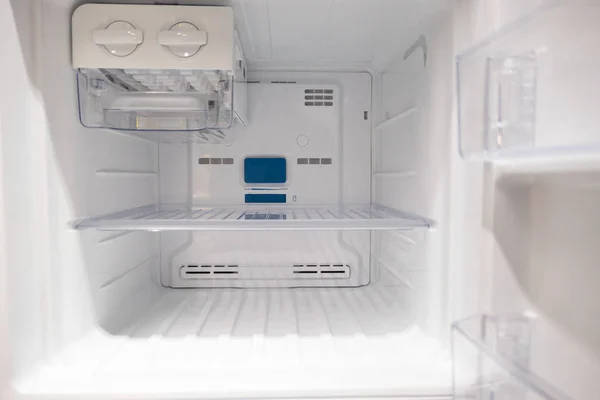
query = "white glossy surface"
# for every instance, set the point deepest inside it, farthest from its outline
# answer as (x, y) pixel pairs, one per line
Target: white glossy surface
(119, 38)
(339, 133)
(258, 343)
(218, 53)
(183, 39)
(329, 34)
(542, 255)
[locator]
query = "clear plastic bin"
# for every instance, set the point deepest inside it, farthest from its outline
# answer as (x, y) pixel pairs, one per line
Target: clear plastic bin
(169, 101)
(491, 360)
(533, 88)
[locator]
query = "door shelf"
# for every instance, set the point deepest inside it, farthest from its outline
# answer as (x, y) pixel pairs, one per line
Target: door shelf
(491, 360)
(267, 217)
(530, 89)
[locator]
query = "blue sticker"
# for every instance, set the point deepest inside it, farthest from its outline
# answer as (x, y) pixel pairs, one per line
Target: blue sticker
(265, 198)
(265, 170)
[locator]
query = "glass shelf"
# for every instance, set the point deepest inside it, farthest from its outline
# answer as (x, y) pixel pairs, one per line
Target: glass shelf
(530, 89)
(491, 360)
(257, 217)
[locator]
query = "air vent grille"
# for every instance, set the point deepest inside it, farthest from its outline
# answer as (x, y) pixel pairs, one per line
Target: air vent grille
(215, 161)
(318, 97)
(314, 161)
(322, 271)
(294, 271)
(204, 271)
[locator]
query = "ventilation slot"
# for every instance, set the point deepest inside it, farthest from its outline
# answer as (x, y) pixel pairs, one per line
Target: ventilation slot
(318, 97)
(264, 273)
(208, 271)
(322, 271)
(314, 161)
(215, 161)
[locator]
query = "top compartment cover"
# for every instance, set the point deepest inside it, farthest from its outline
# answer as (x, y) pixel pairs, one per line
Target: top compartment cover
(153, 37)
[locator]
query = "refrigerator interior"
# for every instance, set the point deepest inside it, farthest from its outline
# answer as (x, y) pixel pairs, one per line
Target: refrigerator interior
(96, 300)
(102, 310)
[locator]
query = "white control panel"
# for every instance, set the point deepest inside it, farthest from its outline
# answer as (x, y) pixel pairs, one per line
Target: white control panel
(153, 37)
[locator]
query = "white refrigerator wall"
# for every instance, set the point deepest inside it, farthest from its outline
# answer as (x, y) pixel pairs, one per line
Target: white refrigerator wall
(339, 133)
(412, 150)
(330, 35)
(60, 282)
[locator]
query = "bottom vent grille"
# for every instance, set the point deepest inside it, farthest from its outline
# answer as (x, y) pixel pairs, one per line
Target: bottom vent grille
(323, 270)
(205, 271)
(295, 271)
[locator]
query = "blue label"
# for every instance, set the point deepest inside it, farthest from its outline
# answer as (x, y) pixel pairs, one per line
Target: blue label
(266, 198)
(265, 170)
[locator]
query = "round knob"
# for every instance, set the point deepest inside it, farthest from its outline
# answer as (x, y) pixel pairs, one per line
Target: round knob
(183, 39)
(119, 38)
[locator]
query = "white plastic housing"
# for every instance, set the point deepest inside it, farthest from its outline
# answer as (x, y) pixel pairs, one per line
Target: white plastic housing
(156, 23)
(162, 72)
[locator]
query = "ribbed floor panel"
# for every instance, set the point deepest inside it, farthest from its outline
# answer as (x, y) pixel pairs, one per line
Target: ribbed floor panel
(371, 310)
(259, 342)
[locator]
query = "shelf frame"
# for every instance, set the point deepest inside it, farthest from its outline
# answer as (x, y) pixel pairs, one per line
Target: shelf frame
(256, 217)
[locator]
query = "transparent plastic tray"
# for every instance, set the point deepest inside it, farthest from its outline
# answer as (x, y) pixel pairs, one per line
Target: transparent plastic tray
(159, 101)
(257, 217)
(491, 361)
(533, 87)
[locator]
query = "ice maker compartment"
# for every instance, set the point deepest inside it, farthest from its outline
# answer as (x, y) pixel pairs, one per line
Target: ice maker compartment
(156, 100)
